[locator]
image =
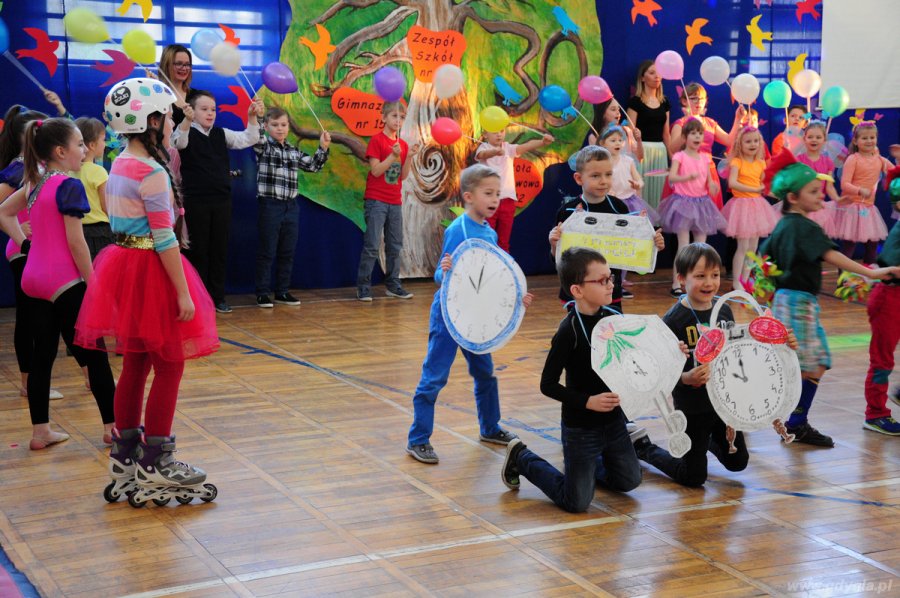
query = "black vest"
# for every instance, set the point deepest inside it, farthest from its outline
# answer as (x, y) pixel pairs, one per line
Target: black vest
(205, 166)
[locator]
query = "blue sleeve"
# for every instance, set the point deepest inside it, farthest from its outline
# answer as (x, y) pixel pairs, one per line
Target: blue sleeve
(71, 200)
(12, 174)
(453, 236)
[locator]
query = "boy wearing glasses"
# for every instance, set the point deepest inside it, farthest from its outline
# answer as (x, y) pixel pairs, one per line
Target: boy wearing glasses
(596, 445)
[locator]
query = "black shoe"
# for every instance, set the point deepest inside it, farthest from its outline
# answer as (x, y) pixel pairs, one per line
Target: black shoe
(676, 293)
(423, 453)
(642, 447)
(286, 299)
(264, 301)
(510, 472)
(398, 293)
(626, 294)
(223, 308)
(501, 437)
(806, 434)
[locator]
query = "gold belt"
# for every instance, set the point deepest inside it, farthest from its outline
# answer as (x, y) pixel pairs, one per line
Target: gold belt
(134, 241)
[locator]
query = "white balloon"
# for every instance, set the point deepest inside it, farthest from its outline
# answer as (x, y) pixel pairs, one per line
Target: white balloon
(225, 59)
(448, 81)
(807, 83)
(745, 88)
(715, 70)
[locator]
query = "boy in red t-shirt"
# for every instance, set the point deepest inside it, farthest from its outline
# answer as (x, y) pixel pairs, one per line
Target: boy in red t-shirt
(389, 163)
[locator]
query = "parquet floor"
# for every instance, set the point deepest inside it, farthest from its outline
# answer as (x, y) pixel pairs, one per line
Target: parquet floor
(301, 422)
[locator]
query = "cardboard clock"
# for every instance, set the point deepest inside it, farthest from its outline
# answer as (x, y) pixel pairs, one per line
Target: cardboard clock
(625, 241)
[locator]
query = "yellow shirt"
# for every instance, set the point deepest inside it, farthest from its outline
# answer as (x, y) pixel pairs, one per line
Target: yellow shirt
(92, 176)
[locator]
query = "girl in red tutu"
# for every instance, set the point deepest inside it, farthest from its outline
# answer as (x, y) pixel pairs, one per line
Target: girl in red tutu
(146, 296)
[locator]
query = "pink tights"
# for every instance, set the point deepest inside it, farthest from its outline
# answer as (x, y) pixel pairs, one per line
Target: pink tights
(163, 395)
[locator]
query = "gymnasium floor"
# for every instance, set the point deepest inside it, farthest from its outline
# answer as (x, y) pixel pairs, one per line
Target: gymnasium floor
(301, 422)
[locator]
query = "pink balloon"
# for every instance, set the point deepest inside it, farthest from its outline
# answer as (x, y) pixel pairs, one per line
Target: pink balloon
(670, 65)
(594, 90)
(445, 131)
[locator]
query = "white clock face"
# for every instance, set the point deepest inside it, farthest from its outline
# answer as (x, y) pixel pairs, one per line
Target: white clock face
(748, 380)
(641, 368)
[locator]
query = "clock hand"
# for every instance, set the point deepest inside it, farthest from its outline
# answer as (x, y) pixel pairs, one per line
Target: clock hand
(480, 276)
(473, 284)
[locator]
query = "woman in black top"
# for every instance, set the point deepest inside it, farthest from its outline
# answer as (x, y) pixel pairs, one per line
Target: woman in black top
(648, 110)
(176, 70)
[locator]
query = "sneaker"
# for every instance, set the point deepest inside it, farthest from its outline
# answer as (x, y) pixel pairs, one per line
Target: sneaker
(286, 299)
(423, 453)
(806, 434)
(883, 425)
(676, 293)
(510, 472)
(264, 301)
(635, 431)
(223, 308)
(642, 446)
(896, 396)
(626, 294)
(398, 293)
(364, 295)
(501, 437)
(55, 395)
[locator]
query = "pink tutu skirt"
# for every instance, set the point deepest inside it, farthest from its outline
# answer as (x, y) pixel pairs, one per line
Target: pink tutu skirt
(131, 299)
(859, 222)
(825, 218)
(636, 204)
(679, 213)
(749, 217)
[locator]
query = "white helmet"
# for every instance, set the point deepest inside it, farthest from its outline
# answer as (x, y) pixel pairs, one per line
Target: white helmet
(130, 102)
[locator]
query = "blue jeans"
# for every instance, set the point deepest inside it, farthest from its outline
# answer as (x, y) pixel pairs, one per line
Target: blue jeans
(435, 371)
(278, 223)
(382, 221)
(592, 456)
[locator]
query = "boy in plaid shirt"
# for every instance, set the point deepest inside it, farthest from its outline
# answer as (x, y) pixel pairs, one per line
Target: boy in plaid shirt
(279, 214)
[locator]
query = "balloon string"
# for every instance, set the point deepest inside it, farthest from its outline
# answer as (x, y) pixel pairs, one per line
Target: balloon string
(247, 79)
(25, 71)
(524, 126)
(308, 105)
(578, 112)
(241, 83)
(787, 119)
(686, 98)
(828, 126)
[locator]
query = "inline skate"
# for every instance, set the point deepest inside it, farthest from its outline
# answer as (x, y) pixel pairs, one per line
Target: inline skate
(160, 477)
(122, 464)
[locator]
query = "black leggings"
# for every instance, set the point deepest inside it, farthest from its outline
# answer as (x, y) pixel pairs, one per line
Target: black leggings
(50, 320)
(23, 336)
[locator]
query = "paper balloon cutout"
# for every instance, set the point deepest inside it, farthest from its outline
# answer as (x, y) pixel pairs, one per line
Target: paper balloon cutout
(594, 90)
(835, 101)
(430, 50)
(445, 131)
(146, 7)
(320, 49)
(745, 88)
(360, 111)
(795, 66)
(807, 83)
(694, 37)
(715, 70)
(119, 69)
(670, 65)
(203, 42)
(225, 59)
(777, 94)
(528, 182)
(554, 98)
(139, 46)
(644, 8)
(390, 83)
(44, 52)
(4, 37)
(494, 119)
(279, 77)
(448, 81)
(86, 26)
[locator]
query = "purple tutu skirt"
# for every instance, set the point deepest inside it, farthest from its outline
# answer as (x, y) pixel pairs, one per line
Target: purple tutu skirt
(859, 222)
(749, 217)
(679, 213)
(636, 204)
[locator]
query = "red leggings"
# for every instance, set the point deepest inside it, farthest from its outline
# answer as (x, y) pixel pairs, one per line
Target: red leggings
(502, 222)
(883, 307)
(163, 393)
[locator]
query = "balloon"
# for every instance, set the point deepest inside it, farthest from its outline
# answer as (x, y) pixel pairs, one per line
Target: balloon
(204, 41)
(894, 189)
(594, 90)
(445, 131)
(390, 83)
(4, 37)
(86, 26)
(670, 65)
(448, 81)
(225, 59)
(807, 83)
(715, 70)
(745, 88)
(835, 101)
(494, 119)
(777, 94)
(278, 77)
(139, 46)
(793, 139)
(554, 98)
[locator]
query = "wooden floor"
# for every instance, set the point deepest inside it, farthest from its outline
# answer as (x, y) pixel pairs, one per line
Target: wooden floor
(301, 422)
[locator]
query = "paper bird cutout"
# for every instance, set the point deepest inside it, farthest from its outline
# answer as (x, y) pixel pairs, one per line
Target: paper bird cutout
(229, 35)
(757, 35)
(807, 7)
(694, 37)
(757, 2)
(44, 52)
(146, 7)
(644, 8)
(795, 66)
(567, 24)
(119, 69)
(239, 108)
(320, 49)
(860, 114)
(507, 91)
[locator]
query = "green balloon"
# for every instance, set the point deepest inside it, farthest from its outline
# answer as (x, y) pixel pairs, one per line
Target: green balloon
(894, 189)
(835, 101)
(777, 94)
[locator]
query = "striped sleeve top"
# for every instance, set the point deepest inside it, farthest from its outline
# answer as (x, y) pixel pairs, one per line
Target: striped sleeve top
(139, 200)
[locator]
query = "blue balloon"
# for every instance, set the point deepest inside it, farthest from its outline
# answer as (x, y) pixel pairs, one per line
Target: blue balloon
(204, 41)
(4, 37)
(554, 98)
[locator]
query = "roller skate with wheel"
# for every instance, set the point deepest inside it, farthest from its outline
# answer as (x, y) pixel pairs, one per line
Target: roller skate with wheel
(160, 477)
(121, 463)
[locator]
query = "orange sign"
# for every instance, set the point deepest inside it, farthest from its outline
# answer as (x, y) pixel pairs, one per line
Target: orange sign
(360, 111)
(528, 182)
(431, 49)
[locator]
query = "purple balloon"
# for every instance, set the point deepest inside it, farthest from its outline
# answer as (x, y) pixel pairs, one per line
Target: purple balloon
(390, 83)
(278, 77)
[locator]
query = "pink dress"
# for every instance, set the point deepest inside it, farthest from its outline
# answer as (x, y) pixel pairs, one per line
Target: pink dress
(824, 217)
(689, 207)
(860, 221)
(621, 188)
(709, 138)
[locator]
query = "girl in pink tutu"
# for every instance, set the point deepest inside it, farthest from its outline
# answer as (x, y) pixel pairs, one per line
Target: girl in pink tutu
(748, 214)
(814, 138)
(858, 220)
(145, 294)
(690, 210)
(627, 182)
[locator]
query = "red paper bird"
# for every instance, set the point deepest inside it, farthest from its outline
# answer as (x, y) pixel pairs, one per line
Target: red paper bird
(808, 7)
(45, 50)
(229, 35)
(644, 8)
(694, 37)
(120, 67)
(241, 107)
(757, 3)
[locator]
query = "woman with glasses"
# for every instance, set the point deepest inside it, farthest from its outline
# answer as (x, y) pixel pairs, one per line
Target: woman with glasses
(176, 70)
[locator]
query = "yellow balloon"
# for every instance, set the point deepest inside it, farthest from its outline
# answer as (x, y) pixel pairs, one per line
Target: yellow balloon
(494, 119)
(86, 26)
(139, 46)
